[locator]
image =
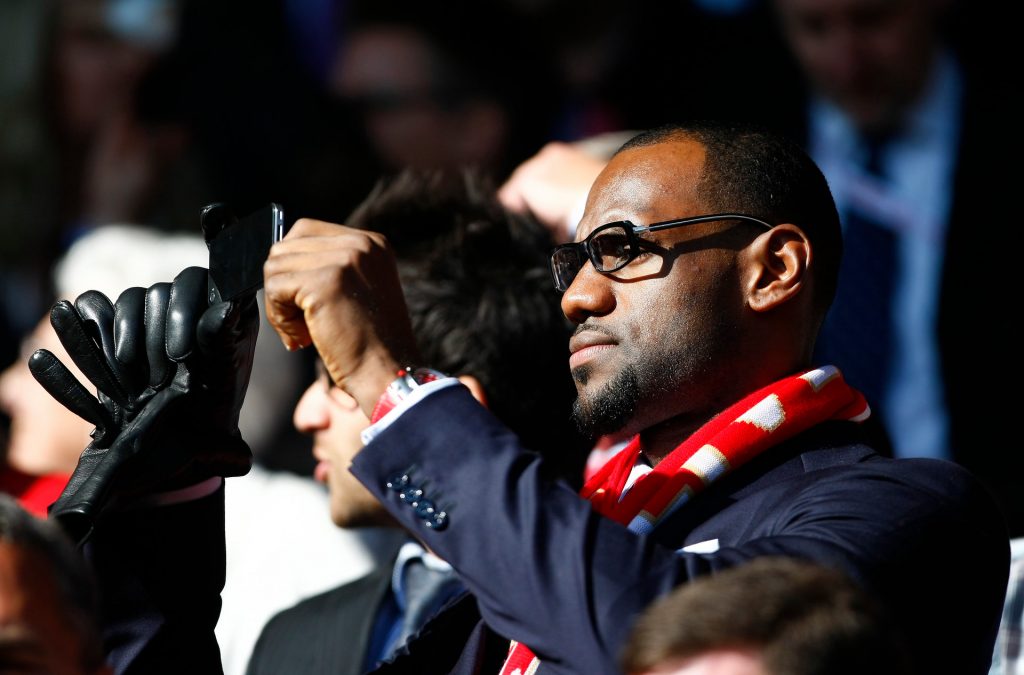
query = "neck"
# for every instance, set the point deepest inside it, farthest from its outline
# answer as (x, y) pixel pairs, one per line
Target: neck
(661, 438)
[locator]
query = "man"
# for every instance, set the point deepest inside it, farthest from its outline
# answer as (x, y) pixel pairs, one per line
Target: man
(475, 280)
(903, 125)
(695, 335)
(681, 326)
(772, 616)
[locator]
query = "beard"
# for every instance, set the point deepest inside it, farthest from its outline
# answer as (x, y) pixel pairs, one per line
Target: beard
(610, 409)
(613, 408)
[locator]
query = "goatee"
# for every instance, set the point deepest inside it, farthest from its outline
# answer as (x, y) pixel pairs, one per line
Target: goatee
(609, 409)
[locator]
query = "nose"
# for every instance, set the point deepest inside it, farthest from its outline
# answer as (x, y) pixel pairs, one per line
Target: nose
(311, 412)
(589, 294)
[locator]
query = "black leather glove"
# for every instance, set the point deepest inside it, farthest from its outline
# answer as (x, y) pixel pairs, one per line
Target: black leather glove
(171, 374)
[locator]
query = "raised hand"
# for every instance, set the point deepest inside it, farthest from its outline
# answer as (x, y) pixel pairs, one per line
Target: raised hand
(171, 374)
(337, 288)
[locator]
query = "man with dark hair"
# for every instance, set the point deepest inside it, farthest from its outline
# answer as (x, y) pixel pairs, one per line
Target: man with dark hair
(479, 295)
(48, 610)
(773, 616)
(695, 328)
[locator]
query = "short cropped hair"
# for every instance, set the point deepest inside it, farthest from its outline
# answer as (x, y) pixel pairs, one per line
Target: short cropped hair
(476, 282)
(800, 617)
(75, 585)
(760, 173)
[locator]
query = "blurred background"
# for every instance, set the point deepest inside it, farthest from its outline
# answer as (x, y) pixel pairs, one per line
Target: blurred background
(140, 112)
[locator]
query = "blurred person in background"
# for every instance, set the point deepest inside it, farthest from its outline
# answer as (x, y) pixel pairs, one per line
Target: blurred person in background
(92, 134)
(475, 280)
(903, 124)
(439, 91)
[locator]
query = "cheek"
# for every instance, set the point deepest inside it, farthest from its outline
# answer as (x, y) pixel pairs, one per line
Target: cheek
(45, 436)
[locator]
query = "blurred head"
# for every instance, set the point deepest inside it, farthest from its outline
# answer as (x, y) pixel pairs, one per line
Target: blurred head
(427, 96)
(101, 50)
(48, 611)
(772, 616)
(708, 312)
(871, 58)
(45, 437)
(476, 284)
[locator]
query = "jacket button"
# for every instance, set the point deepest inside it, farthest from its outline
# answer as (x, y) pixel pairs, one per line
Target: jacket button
(398, 481)
(425, 509)
(411, 495)
(438, 521)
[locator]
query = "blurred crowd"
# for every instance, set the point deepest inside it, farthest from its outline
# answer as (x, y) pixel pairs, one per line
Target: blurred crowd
(121, 119)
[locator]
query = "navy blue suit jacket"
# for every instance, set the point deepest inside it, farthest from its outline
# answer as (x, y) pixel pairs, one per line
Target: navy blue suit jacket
(548, 571)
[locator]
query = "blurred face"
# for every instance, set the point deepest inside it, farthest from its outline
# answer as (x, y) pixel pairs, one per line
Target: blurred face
(35, 634)
(654, 340)
(45, 437)
(96, 72)
(387, 71)
(870, 57)
(334, 420)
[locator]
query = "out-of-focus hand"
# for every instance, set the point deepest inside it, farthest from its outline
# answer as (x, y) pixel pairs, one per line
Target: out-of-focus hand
(552, 185)
(171, 374)
(337, 288)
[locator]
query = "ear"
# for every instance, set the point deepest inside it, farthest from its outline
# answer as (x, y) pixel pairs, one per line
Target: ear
(475, 388)
(777, 269)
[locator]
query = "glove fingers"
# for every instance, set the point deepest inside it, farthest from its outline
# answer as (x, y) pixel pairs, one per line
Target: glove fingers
(96, 309)
(187, 304)
(58, 381)
(130, 336)
(160, 367)
(214, 218)
(85, 351)
(82, 498)
(222, 323)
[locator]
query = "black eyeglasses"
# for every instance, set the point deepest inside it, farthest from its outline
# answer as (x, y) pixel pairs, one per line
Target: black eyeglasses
(614, 245)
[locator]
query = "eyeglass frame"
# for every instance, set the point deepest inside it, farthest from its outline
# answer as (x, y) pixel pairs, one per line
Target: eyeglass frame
(634, 242)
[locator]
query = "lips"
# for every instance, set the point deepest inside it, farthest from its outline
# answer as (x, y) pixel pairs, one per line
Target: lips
(320, 471)
(586, 344)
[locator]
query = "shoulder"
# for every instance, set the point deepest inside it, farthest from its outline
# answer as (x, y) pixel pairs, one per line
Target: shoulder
(353, 596)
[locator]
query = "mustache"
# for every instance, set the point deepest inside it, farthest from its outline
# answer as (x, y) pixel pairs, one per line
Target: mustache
(588, 326)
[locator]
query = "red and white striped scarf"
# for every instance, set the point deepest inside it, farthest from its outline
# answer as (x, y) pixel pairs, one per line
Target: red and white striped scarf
(759, 421)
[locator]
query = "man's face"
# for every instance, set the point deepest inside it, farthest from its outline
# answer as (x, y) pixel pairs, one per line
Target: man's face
(334, 420)
(654, 340)
(45, 436)
(870, 57)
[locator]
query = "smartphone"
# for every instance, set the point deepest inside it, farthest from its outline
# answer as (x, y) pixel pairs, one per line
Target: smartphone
(238, 251)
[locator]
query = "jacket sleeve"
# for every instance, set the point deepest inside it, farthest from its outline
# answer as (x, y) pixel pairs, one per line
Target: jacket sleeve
(160, 571)
(550, 572)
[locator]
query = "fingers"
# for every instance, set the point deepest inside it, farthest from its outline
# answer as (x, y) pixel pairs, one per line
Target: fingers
(97, 313)
(158, 298)
(214, 218)
(62, 385)
(186, 304)
(304, 270)
(85, 351)
(130, 337)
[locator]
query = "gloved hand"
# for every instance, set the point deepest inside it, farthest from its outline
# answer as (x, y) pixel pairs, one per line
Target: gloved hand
(171, 374)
